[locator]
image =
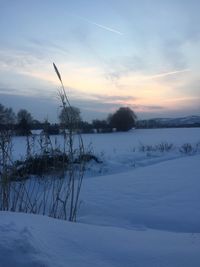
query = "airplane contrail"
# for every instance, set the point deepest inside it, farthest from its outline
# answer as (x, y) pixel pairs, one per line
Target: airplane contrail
(101, 26)
(106, 28)
(160, 75)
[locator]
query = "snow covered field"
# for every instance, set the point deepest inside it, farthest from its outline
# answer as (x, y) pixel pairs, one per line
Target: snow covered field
(124, 151)
(140, 207)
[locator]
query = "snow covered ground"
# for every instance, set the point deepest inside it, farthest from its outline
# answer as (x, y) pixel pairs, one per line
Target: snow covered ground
(138, 208)
(123, 151)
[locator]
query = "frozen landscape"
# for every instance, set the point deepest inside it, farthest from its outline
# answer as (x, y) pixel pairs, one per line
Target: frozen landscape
(139, 207)
(100, 133)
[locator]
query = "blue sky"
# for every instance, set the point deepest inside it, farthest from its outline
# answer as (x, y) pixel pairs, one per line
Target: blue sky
(141, 54)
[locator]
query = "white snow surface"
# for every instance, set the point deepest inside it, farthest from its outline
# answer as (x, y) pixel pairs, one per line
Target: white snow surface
(147, 216)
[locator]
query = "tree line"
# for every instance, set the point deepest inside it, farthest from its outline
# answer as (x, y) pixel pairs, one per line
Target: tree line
(22, 122)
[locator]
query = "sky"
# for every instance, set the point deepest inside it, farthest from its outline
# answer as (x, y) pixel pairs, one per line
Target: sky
(110, 53)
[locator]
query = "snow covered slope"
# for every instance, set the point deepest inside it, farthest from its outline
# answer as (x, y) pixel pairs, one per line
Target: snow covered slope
(145, 217)
(162, 196)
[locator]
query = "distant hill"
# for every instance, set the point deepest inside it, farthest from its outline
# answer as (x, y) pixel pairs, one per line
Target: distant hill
(189, 121)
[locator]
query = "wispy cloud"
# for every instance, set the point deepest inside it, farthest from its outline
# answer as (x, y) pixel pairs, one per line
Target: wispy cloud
(101, 26)
(145, 108)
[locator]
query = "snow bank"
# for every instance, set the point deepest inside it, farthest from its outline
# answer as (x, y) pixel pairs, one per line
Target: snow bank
(31, 240)
(120, 223)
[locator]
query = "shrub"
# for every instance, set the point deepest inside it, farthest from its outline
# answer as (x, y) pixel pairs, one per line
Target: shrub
(187, 148)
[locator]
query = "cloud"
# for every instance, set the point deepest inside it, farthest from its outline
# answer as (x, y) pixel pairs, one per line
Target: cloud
(173, 53)
(6, 90)
(122, 66)
(190, 88)
(95, 106)
(46, 47)
(104, 104)
(40, 107)
(23, 70)
(18, 60)
(112, 99)
(148, 108)
(74, 94)
(27, 92)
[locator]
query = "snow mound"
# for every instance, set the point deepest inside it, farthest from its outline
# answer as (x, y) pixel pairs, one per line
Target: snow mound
(32, 240)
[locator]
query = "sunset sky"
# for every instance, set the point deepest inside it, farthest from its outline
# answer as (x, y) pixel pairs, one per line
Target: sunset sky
(142, 54)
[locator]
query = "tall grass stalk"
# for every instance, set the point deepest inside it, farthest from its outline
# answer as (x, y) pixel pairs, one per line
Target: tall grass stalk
(75, 176)
(54, 192)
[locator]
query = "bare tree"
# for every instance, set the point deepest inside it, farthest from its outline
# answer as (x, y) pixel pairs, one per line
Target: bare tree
(23, 114)
(70, 117)
(7, 115)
